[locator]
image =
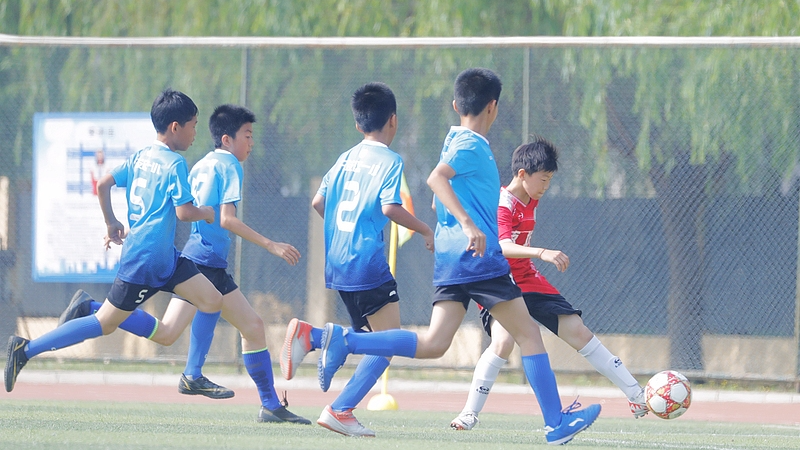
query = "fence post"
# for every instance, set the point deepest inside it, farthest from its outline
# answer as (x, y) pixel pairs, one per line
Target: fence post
(319, 304)
(797, 306)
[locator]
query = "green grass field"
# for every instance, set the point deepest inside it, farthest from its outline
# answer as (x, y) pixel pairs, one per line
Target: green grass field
(109, 425)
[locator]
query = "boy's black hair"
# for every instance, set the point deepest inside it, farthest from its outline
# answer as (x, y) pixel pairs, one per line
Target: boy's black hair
(227, 119)
(474, 89)
(540, 155)
(373, 104)
(171, 106)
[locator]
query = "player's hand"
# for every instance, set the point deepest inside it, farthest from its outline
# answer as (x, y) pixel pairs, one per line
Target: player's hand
(208, 213)
(116, 233)
(429, 241)
(286, 251)
(477, 240)
(557, 258)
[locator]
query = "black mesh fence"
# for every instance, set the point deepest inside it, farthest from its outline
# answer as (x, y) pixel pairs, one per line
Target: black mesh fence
(676, 196)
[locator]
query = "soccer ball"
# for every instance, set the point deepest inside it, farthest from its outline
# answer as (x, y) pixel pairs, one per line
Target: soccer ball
(668, 394)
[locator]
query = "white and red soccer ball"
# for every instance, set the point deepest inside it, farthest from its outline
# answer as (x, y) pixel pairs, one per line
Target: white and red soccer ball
(668, 394)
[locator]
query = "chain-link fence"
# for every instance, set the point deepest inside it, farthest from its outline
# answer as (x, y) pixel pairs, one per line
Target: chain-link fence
(676, 196)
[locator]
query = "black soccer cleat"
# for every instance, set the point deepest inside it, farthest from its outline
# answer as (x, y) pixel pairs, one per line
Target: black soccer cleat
(203, 386)
(79, 306)
(16, 360)
(281, 414)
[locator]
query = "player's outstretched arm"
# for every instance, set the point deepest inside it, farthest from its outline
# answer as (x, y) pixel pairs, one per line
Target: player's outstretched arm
(439, 182)
(230, 222)
(116, 231)
(400, 216)
(555, 257)
(187, 212)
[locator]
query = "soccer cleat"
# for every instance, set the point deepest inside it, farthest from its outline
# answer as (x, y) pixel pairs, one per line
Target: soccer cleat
(281, 415)
(343, 422)
(16, 360)
(334, 354)
(572, 423)
(464, 422)
(203, 386)
(79, 306)
(638, 406)
(296, 346)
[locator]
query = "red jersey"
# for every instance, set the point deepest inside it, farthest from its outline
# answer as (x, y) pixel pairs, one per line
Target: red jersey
(515, 221)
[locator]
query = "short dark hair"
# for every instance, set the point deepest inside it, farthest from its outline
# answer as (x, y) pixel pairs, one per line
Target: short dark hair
(171, 106)
(373, 104)
(539, 155)
(227, 119)
(474, 89)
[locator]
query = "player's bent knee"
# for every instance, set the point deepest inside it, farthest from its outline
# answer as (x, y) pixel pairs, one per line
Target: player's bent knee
(502, 347)
(210, 303)
(253, 330)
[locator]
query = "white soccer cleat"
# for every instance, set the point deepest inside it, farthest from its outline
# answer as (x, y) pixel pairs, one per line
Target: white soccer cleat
(464, 422)
(638, 405)
(296, 345)
(343, 422)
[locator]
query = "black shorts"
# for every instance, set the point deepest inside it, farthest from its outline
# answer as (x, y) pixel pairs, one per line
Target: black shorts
(128, 296)
(221, 279)
(361, 304)
(486, 293)
(544, 308)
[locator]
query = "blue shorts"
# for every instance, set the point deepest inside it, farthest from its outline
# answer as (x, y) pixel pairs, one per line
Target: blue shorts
(128, 296)
(361, 304)
(486, 293)
(544, 308)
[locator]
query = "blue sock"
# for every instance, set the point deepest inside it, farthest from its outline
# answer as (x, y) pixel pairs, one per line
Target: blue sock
(259, 366)
(367, 373)
(202, 334)
(543, 381)
(316, 338)
(71, 333)
(140, 323)
(383, 343)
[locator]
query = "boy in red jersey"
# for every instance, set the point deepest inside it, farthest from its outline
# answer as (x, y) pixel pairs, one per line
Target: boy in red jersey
(534, 165)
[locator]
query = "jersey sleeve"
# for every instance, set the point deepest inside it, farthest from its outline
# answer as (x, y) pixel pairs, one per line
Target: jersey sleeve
(323, 186)
(390, 190)
(504, 226)
(120, 173)
(231, 184)
(179, 189)
(461, 157)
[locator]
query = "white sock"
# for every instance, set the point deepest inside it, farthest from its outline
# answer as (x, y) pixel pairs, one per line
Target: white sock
(483, 379)
(610, 366)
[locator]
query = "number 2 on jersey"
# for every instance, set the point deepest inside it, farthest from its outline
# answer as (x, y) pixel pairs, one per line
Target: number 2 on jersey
(347, 206)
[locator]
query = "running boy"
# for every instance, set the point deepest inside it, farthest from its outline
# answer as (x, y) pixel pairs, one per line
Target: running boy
(468, 264)
(158, 191)
(356, 199)
(216, 182)
(534, 165)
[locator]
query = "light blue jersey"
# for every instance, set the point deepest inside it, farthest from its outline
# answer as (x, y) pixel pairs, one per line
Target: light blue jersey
(364, 178)
(477, 186)
(156, 182)
(216, 180)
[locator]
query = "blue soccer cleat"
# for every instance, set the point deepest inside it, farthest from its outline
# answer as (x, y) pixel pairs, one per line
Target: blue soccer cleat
(572, 423)
(334, 354)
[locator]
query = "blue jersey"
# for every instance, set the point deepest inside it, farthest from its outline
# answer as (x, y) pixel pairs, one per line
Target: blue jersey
(156, 182)
(216, 180)
(477, 185)
(364, 178)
